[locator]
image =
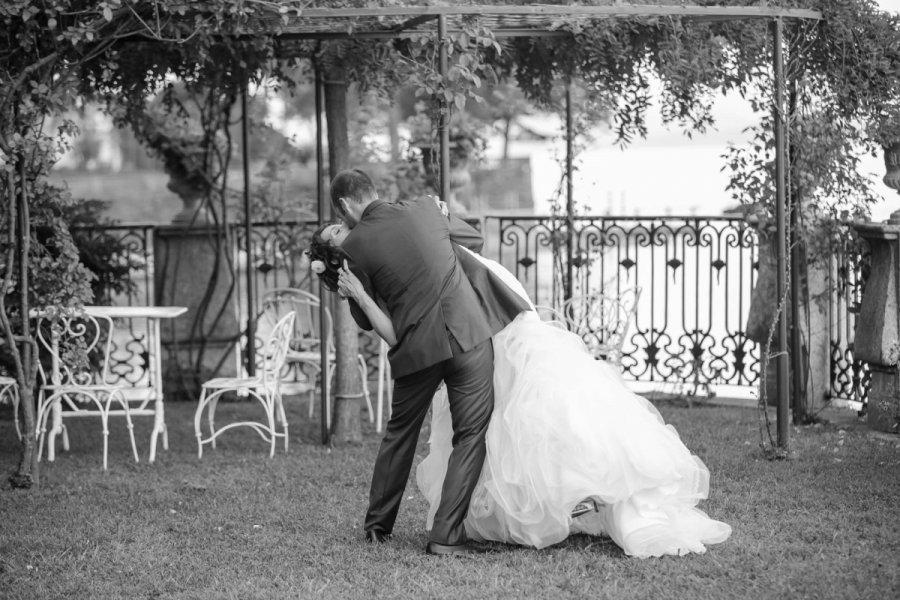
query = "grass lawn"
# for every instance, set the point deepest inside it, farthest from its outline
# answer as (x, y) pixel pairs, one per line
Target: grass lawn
(237, 524)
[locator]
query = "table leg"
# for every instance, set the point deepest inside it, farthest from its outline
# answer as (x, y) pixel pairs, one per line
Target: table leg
(159, 426)
(159, 413)
(55, 429)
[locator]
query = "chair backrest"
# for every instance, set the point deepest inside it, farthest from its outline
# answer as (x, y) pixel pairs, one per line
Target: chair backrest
(602, 321)
(275, 350)
(306, 332)
(551, 316)
(75, 347)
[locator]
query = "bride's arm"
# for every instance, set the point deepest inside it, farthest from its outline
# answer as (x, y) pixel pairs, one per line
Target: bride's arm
(349, 286)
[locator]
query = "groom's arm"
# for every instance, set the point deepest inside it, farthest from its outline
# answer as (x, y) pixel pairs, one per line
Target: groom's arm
(460, 232)
(465, 235)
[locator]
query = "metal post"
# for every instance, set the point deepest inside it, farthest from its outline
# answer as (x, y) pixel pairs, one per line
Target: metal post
(248, 229)
(570, 196)
(782, 364)
(322, 207)
(24, 242)
(796, 357)
(444, 125)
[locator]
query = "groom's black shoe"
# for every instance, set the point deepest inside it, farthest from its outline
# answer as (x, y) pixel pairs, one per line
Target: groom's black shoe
(374, 536)
(467, 549)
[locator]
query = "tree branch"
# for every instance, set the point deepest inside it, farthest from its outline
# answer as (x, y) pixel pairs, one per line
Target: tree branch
(8, 333)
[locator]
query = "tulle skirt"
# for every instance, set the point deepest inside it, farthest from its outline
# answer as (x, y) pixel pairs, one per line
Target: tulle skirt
(565, 428)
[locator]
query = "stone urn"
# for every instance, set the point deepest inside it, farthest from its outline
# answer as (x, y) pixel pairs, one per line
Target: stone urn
(892, 172)
(192, 193)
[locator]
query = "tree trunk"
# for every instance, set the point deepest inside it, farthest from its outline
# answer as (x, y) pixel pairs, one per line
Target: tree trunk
(27, 473)
(346, 426)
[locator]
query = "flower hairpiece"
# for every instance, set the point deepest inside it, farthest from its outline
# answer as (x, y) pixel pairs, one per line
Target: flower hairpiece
(317, 266)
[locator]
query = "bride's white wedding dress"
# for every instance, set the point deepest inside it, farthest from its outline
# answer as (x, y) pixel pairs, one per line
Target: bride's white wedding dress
(565, 428)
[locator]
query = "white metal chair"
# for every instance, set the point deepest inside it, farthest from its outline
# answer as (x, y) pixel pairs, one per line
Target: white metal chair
(9, 389)
(75, 383)
(305, 351)
(264, 387)
(550, 315)
(602, 321)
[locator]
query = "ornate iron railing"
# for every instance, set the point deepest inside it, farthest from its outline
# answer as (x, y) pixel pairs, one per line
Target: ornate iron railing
(131, 264)
(277, 259)
(849, 376)
(696, 274)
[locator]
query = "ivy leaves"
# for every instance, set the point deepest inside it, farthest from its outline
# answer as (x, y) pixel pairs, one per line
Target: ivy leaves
(471, 53)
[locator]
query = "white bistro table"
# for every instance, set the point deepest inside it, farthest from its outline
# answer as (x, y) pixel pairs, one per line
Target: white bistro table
(152, 390)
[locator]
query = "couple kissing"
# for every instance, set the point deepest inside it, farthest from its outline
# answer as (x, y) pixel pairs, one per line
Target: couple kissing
(535, 439)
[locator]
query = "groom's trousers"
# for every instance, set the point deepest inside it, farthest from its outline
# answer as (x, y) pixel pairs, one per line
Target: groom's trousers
(470, 392)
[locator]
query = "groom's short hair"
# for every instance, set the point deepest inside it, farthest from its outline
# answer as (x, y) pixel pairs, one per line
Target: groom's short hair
(353, 184)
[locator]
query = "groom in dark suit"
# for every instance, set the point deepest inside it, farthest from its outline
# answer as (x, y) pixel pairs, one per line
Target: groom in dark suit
(402, 254)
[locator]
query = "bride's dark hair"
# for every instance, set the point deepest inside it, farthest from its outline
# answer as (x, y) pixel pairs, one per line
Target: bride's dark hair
(332, 257)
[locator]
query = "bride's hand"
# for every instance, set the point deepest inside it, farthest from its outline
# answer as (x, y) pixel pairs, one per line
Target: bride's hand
(442, 206)
(349, 285)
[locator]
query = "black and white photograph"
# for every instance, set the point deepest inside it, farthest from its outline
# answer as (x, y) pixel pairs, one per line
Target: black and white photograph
(427, 299)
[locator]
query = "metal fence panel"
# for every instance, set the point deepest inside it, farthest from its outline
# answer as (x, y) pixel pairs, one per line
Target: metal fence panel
(696, 274)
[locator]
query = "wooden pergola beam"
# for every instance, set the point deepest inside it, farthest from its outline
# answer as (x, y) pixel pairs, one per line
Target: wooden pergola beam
(393, 34)
(622, 10)
(506, 21)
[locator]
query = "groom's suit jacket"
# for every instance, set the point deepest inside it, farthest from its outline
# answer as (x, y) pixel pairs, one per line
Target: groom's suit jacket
(404, 256)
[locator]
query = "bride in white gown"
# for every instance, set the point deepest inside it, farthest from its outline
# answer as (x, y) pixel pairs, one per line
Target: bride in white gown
(565, 429)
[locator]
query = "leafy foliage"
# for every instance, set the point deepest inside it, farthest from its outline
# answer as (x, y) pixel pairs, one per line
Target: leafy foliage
(467, 144)
(57, 276)
(850, 63)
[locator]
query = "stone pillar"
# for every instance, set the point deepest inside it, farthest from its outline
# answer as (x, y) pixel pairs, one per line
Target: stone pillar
(814, 324)
(763, 303)
(815, 334)
(878, 325)
(203, 342)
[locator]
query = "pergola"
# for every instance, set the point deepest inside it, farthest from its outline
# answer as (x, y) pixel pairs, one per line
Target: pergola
(537, 20)
(533, 20)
